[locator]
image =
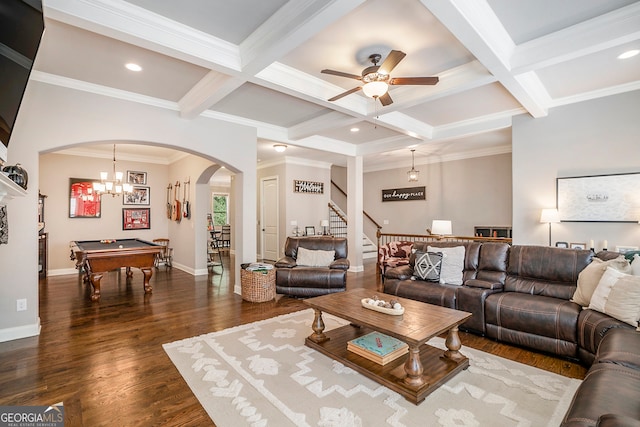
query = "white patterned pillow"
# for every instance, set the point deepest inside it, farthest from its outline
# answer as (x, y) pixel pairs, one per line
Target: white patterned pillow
(427, 266)
(452, 264)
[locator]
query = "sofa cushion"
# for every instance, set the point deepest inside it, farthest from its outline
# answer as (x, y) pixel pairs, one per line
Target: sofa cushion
(618, 295)
(589, 278)
(315, 258)
(541, 270)
(620, 346)
(452, 264)
(428, 265)
(607, 388)
(593, 326)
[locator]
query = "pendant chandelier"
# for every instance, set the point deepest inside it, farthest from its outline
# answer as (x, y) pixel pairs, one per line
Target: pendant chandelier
(413, 174)
(113, 186)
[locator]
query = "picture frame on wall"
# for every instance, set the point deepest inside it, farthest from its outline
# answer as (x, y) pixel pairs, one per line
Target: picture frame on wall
(140, 195)
(137, 177)
(599, 198)
(136, 218)
(83, 200)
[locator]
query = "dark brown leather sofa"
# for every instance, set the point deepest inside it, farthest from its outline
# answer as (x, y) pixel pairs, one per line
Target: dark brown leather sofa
(305, 281)
(521, 295)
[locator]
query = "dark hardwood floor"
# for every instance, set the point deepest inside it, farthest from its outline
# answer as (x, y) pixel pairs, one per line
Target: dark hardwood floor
(105, 360)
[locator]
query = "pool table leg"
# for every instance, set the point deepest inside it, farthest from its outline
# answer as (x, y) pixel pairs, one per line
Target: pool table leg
(94, 278)
(148, 272)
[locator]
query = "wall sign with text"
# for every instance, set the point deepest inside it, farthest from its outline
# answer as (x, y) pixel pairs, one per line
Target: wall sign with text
(404, 194)
(308, 187)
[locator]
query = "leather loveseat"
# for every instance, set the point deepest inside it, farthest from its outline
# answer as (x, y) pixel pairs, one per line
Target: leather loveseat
(295, 279)
(521, 295)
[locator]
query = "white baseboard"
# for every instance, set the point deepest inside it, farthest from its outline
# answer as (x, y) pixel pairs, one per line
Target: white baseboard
(18, 332)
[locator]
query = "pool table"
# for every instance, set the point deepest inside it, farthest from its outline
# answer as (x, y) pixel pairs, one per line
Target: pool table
(97, 257)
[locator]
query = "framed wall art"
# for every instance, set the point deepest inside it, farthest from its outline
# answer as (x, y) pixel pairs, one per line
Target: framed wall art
(83, 200)
(139, 196)
(136, 177)
(310, 187)
(599, 198)
(404, 194)
(136, 218)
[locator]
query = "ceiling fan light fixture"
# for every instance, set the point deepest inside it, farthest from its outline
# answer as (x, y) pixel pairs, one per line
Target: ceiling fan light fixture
(280, 148)
(375, 89)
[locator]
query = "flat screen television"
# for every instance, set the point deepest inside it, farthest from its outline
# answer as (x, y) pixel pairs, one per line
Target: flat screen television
(21, 28)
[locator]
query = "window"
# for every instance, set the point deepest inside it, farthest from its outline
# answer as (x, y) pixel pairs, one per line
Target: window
(220, 209)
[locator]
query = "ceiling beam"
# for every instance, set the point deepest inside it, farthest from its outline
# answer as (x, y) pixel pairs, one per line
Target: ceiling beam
(477, 27)
(603, 32)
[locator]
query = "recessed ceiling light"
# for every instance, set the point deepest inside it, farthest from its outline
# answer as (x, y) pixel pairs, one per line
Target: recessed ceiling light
(629, 54)
(133, 67)
(279, 147)
(354, 129)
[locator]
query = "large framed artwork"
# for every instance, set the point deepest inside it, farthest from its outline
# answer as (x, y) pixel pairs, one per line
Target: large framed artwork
(83, 200)
(599, 198)
(136, 218)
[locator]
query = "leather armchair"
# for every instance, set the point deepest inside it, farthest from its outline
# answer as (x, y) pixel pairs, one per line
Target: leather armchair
(304, 281)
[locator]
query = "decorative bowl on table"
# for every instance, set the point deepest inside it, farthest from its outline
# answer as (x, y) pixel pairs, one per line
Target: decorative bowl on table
(392, 307)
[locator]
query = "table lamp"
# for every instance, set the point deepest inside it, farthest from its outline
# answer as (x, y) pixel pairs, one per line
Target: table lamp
(549, 216)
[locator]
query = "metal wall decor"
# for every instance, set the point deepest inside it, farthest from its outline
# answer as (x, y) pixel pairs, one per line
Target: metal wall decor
(404, 194)
(311, 187)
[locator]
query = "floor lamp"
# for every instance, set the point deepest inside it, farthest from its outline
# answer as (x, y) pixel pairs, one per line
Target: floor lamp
(549, 216)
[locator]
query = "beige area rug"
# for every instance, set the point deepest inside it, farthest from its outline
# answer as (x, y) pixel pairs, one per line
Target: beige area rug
(262, 374)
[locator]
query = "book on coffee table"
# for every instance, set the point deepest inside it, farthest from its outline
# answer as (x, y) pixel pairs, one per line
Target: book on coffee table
(378, 347)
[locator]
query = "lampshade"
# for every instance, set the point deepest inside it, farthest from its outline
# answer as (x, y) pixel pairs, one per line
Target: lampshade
(375, 89)
(441, 227)
(549, 216)
(324, 223)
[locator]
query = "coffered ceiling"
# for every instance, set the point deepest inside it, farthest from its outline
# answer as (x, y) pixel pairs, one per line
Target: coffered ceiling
(258, 63)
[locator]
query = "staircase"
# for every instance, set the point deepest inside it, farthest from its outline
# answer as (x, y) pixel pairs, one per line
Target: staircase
(338, 228)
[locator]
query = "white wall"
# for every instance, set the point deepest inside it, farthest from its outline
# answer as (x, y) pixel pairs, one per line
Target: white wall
(306, 209)
(469, 192)
(591, 138)
(52, 118)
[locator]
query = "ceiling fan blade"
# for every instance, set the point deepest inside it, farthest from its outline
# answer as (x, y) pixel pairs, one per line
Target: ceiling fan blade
(341, 74)
(349, 92)
(413, 80)
(394, 57)
(386, 99)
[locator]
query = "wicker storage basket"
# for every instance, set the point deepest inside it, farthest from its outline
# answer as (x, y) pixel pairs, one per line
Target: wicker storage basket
(258, 286)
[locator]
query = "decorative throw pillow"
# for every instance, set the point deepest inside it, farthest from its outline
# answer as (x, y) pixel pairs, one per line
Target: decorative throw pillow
(452, 264)
(635, 265)
(427, 266)
(315, 258)
(589, 278)
(618, 295)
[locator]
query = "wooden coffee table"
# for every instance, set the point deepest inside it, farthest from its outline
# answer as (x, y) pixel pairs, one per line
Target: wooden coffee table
(415, 376)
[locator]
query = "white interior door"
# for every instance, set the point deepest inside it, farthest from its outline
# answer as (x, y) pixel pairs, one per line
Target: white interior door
(269, 218)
